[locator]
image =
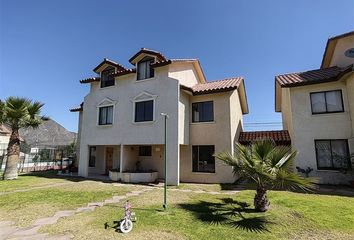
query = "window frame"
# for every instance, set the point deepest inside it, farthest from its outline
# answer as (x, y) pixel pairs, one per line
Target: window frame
(99, 115)
(330, 142)
(203, 172)
(325, 98)
(90, 157)
(146, 152)
(101, 75)
(146, 59)
(203, 121)
(135, 111)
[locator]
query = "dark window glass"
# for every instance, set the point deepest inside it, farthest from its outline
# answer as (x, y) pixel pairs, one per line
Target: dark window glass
(92, 157)
(144, 68)
(203, 159)
(106, 78)
(203, 112)
(332, 154)
(144, 111)
(145, 151)
(326, 102)
(105, 115)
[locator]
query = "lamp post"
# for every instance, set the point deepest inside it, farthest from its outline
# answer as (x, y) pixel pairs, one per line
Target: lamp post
(165, 159)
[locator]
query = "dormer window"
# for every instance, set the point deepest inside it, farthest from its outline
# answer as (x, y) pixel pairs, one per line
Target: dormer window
(107, 79)
(144, 68)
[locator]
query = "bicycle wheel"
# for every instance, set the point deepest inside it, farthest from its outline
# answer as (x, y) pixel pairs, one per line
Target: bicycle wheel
(126, 226)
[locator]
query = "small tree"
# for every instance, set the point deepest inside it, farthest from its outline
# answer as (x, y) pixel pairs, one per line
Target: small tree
(18, 113)
(268, 166)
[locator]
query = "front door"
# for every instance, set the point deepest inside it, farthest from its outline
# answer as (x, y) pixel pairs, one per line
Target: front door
(109, 158)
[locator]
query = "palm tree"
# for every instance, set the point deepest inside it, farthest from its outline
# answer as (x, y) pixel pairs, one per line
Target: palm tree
(268, 166)
(18, 113)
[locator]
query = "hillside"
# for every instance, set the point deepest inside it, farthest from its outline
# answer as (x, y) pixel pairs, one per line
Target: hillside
(50, 133)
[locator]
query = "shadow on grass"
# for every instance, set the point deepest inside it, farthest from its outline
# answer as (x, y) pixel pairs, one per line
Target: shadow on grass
(228, 212)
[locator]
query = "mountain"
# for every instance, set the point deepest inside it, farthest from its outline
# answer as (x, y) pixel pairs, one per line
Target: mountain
(50, 133)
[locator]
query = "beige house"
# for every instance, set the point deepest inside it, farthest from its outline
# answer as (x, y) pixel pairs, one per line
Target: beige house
(317, 109)
(121, 126)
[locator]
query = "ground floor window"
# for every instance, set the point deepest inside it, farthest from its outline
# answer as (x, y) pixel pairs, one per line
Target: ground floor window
(332, 154)
(203, 159)
(92, 157)
(145, 151)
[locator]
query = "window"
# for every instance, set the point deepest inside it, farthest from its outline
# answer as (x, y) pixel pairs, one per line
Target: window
(105, 115)
(92, 157)
(326, 102)
(145, 151)
(203, 112)
(203, 159)
(144, 111)
(144, 69)
(106, 78)
(332, 154)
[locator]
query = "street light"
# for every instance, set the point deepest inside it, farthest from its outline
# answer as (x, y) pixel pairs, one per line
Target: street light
(165, 159)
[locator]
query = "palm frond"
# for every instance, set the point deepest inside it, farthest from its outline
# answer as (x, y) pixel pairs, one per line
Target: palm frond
(292, 181)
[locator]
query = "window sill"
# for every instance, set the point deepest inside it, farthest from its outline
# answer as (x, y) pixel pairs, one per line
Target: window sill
(196, 123)
(144, 80)
(328, 113)
(147, 122)
(107, 125)
(329, 170)
(204, 173)
(103, 88)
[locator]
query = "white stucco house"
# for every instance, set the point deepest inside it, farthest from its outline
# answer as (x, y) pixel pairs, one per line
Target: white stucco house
(317, 109)
(121, 126)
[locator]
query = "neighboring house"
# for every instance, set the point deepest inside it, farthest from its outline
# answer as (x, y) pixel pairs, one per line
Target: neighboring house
(121, 126)
(5, 133)
(317, 109)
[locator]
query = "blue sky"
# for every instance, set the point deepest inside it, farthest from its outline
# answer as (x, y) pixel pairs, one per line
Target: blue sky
(46, 47)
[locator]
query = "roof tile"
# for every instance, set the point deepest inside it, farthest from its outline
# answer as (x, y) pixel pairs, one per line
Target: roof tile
(280, 137)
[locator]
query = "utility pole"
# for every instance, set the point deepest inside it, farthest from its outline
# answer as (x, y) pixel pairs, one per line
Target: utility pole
(165, 159)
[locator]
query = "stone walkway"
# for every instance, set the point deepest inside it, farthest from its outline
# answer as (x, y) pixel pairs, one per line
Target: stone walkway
(9, 231)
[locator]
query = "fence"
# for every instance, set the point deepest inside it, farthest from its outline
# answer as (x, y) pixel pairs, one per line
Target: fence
(41, 158)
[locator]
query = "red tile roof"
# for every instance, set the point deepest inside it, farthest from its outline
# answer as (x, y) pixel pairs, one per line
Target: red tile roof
(110, 62)
(312, 77)
(90, 80)
(78, 109)
(280, 137)
(215, 86)
(159, 56)
(124, 72)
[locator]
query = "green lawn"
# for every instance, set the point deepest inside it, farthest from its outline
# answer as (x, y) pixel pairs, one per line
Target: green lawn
(26, 206)
(205, 216)
(189, 215)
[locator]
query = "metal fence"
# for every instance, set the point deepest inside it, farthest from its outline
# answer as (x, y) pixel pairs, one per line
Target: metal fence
(41, 158)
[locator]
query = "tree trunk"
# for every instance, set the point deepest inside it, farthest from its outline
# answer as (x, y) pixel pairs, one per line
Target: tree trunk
(13, 155)
(261, 202)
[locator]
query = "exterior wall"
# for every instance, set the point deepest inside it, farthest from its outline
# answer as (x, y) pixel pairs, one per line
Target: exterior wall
(183, 123)
(216, 133)
(124, 130)
(338, 58)
(286, 111)
(184, 72)
(308, 127)
(236, 118)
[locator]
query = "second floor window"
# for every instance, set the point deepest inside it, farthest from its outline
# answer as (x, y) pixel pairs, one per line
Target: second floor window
(326, 102)
(144, 69)
(144, 111)
(107, 79)
(203, 112)
(105, 116)
(332, 154)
